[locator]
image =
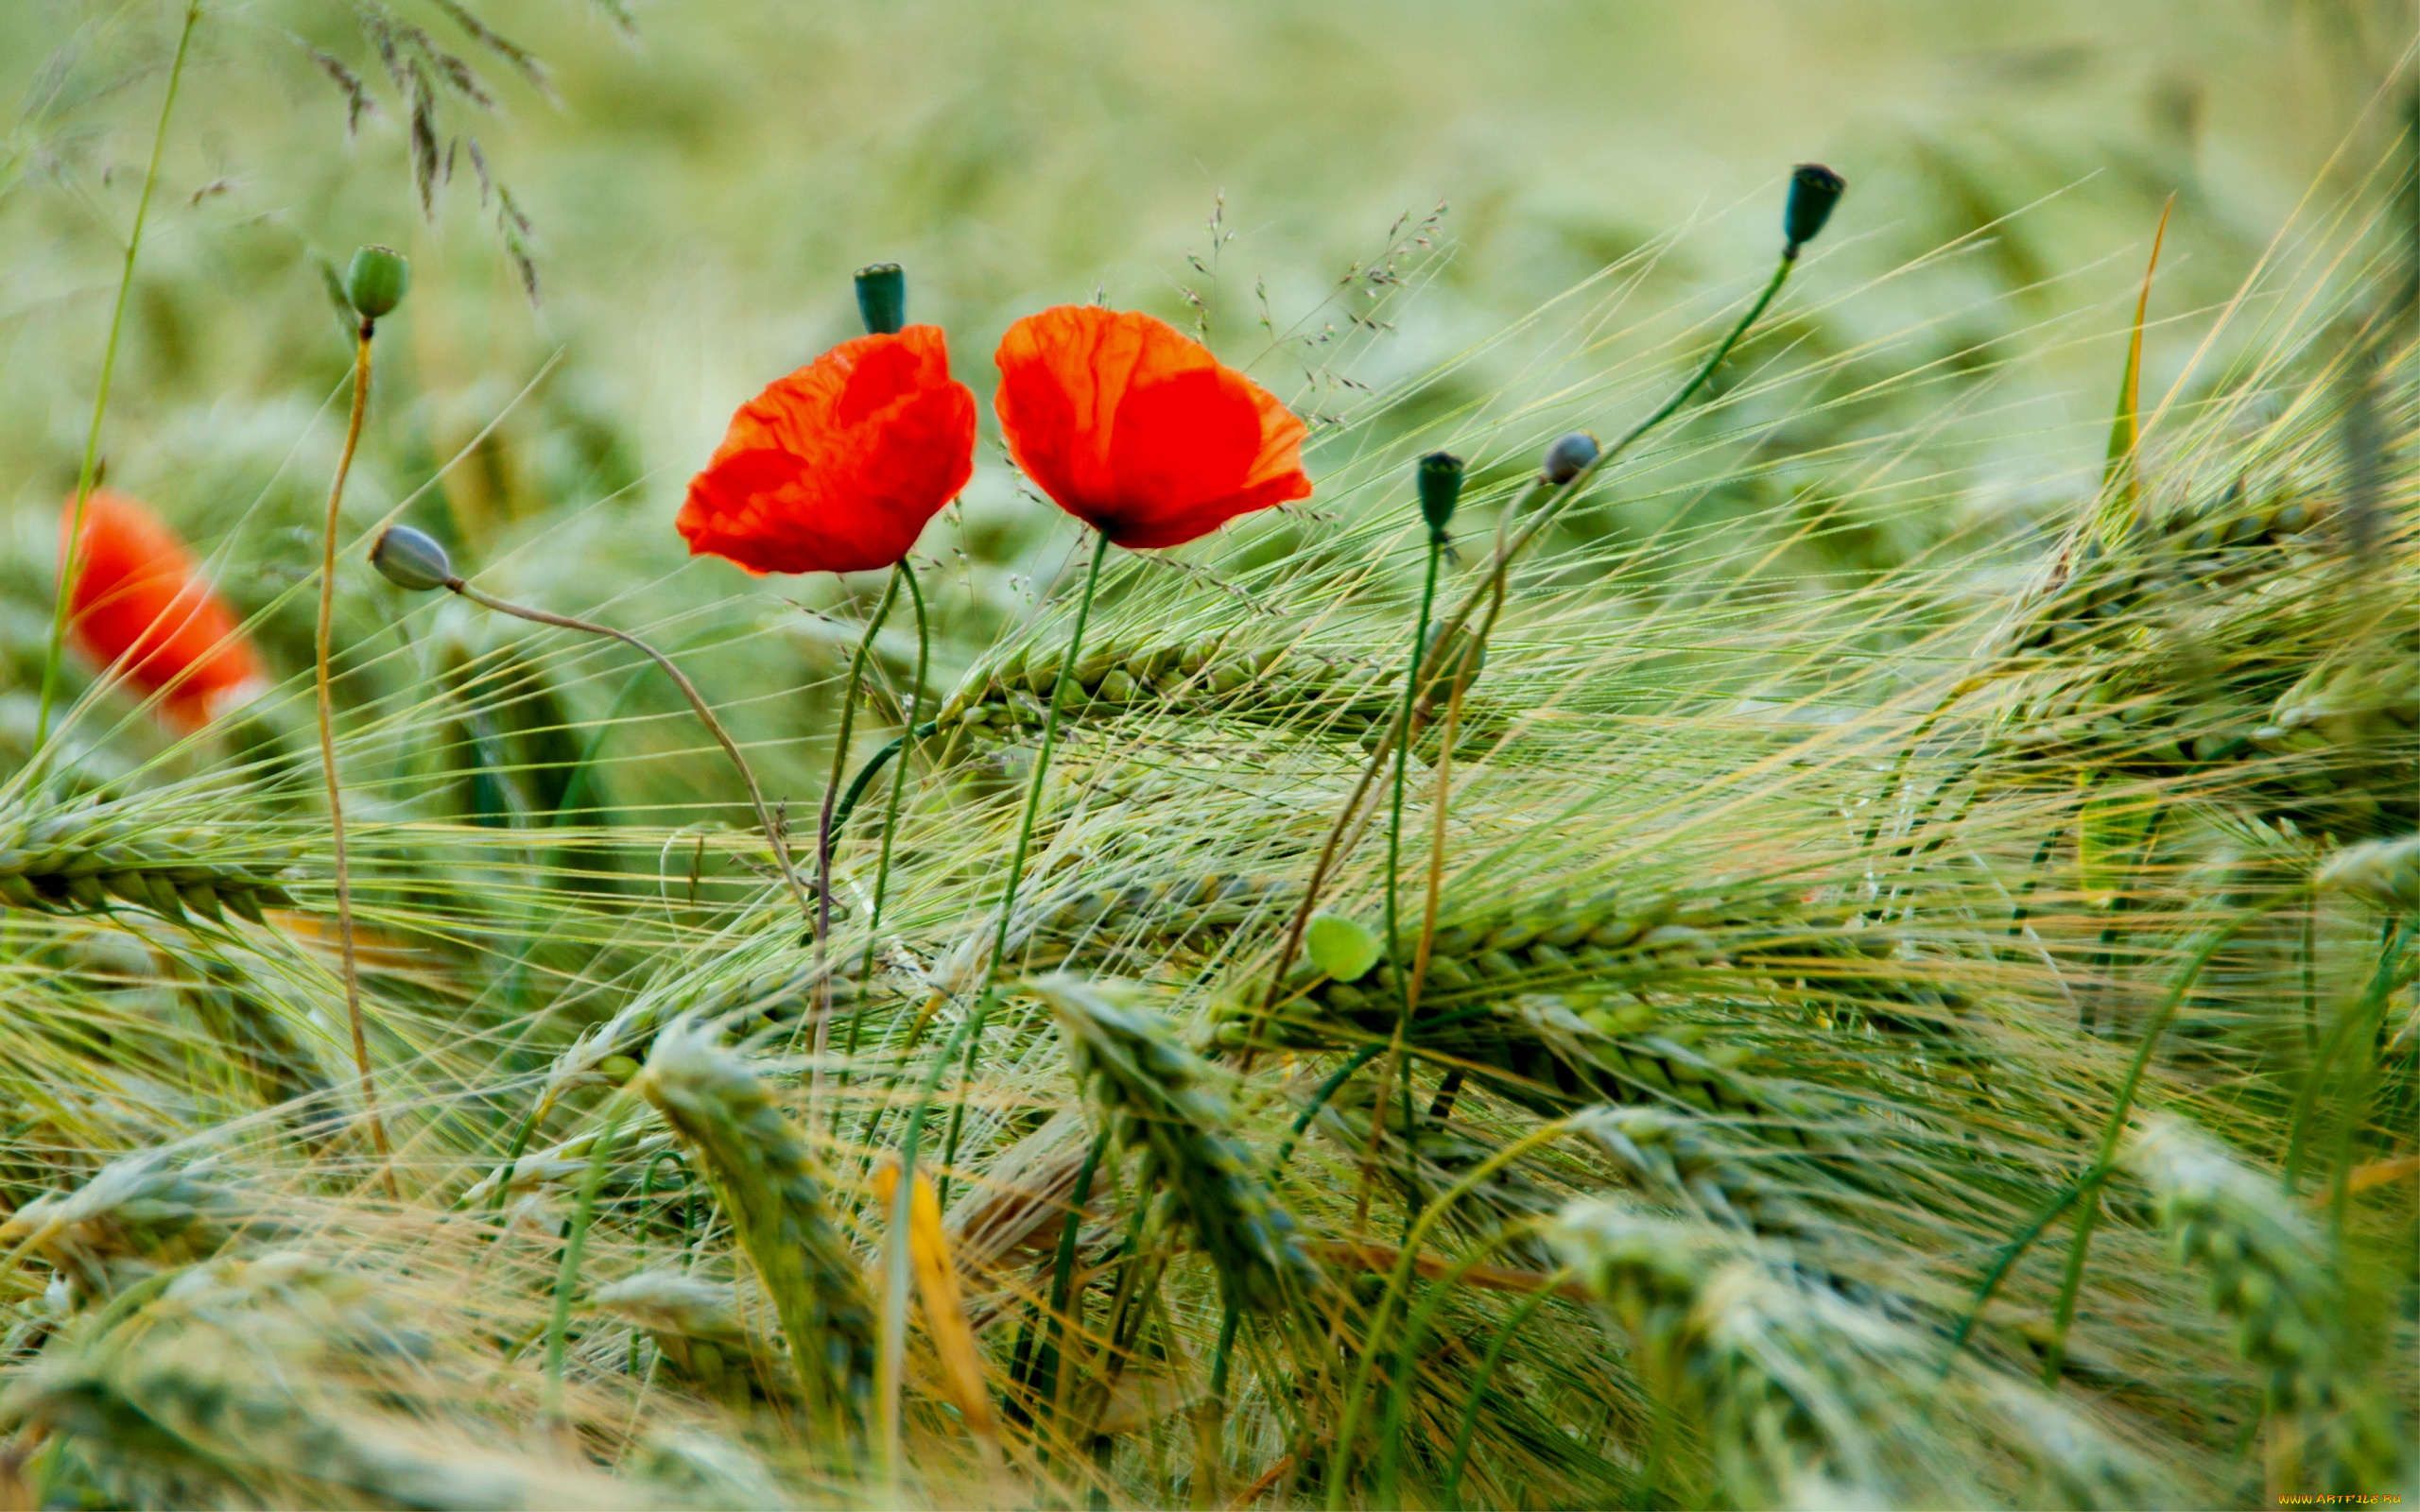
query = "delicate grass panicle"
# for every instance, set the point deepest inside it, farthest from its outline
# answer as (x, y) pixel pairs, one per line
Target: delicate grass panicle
(768, 1185)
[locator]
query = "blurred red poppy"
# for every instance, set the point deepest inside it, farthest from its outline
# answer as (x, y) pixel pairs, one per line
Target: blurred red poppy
(837, 468)
(1139, 431)
(142, 606)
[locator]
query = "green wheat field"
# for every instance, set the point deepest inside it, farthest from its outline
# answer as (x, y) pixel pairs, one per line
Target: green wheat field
(1861, 955)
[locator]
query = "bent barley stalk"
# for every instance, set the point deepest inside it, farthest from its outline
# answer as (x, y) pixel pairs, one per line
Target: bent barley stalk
(322, 646)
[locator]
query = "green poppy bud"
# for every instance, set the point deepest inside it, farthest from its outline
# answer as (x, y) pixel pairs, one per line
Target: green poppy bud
(1440, 489)
(882, 298)
(1566, 456)
(411, 559)
(375, 281)
(1814, 189)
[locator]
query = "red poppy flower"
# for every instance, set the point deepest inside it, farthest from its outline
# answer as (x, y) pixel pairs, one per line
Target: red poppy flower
(837, 468)
(142, 606)
(1137, 429)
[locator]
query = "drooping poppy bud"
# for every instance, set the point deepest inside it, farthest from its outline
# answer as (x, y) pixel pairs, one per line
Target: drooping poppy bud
(882, 298)
(411, 559)
(1137, 429)
(837, 468)
(142, 606)
(1814, 189)
(1566, 456)
(375, 281)
(1440, 489)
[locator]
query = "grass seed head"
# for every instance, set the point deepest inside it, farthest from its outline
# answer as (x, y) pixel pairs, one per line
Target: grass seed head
(766, 1179)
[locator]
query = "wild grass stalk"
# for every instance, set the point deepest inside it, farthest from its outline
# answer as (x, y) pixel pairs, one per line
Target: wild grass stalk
(88, 470)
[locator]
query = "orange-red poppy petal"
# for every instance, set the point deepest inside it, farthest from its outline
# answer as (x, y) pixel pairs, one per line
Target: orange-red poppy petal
(1139, 431)
(838, 466)
(140, 604)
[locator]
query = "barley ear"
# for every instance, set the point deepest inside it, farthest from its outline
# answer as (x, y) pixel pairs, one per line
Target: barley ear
(769, 1187)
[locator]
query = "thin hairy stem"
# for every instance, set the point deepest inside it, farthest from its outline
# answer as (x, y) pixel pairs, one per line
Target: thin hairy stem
(576, 1245)
(1394, 1066)
(2054, 1358)
(323, 685)
(890, 811)
(1401, 1277)
(697, 703)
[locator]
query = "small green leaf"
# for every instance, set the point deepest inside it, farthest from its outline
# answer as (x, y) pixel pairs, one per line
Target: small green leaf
(1341, 947)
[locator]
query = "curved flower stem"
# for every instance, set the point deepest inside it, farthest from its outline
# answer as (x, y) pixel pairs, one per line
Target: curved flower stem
(85, 474)
(2054, 1358)
(1319, 1099)
(1547, 500)
(899, 789)
(1401, 1277)
(890, 822)
(326, 701)
(972, 1031)
(1450, 1086)
(822, 1015)
(1394, 1066)
(688, 691)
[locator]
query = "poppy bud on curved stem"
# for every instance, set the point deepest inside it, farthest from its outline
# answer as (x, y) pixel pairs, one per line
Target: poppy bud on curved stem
(375, 281)
(882, 298)
(1440, 489)
(1566, 455)
(411, 559)
(1814, 189)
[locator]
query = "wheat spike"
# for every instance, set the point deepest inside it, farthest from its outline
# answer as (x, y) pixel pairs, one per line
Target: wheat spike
(761, 1171)
(2269, 1274)
(1157, 1097)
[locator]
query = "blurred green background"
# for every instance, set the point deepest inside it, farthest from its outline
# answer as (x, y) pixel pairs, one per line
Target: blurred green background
(1379, 207)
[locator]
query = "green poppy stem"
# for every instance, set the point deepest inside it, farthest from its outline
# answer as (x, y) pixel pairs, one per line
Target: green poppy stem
(1546, 500)
(576, 1246)
(821, 1031)
(1394, 1063)
(1400, 1278)
(970, 1029)
(973, 1030)
(86, 474)
(890, 827)
(898, 789)
(322, 645)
